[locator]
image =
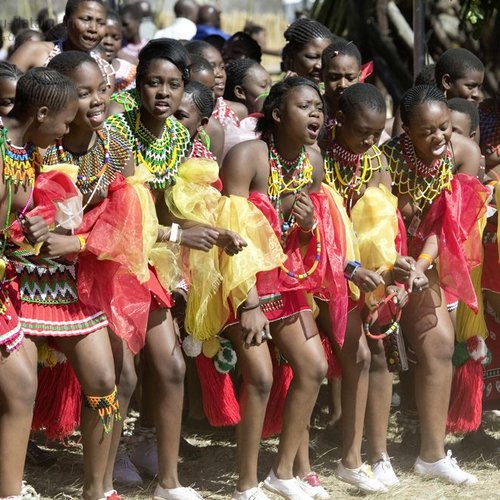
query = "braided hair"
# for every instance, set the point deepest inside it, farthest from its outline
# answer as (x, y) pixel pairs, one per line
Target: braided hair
(236, 72)
(275, 100)
(340, 47)
(197, 47)
(9, 71)
(427, 75)
(70, 60)
(163, 48)
(202, 98)
(418, 95)
(361, 96)
(299, 34)
(467, 108)
(43, 87)
(456, 63)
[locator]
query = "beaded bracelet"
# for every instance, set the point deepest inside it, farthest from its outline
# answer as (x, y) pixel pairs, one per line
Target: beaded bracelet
(369, 319)
(83, 242)
(313, 228)
(426, 257)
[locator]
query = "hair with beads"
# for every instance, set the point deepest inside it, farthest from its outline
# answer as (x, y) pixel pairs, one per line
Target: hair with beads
(70, 60)
(457, 63)
(43, 87)
(72, 5)
(202, 98)
(275, 99)
(236, 71)
(9, 71)
(299, 34)
(418, 95)
(340, 47)
(361, 96)
(163, 48)
(467, 108)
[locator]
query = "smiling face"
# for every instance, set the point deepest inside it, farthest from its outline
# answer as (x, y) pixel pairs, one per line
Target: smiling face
(86, 26)
(430, 130)
(301, 115)
(341, 72)
(307, 62)
(213, 56)
(7, 95)
(161, 89)
(91, 89)
(360, 129)
(112, 40)
(256, 83)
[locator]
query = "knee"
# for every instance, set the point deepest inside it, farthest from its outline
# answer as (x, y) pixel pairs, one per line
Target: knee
(259, 384)
(20, 398)
(437, 350)
(173, 370)
(312, 373)
(102, 383)
(378, 361)
(128, 382)
(363, 358)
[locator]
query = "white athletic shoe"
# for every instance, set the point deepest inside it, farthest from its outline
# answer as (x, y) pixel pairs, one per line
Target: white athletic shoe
(383, 471)
(180, 493)
(361, 477)
(250, 494)
(287, 488)
(446, 469)
(312, 486)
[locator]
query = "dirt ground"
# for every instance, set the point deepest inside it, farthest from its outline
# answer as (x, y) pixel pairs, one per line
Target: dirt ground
(213, 473)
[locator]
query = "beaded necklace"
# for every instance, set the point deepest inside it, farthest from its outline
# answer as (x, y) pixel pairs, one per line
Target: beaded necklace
(343, 170)
(92, 165)
(160, 155)
(423, 183)
(298, 173)
(199, 150)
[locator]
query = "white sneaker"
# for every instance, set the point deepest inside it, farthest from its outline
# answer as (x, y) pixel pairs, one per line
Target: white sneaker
(383, 471)
(145, 457)
(287, 488)
(180, 493)
(250, 494)
(125, 472)
(311, 485)
(362, 478)
(446, 469)
(28, 492)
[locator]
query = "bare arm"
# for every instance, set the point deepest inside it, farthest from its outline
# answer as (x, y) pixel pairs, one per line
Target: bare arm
(217, 136)
(31, 54)
(467, 155)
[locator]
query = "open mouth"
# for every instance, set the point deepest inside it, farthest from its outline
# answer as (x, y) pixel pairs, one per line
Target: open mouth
(162, 107)
(313, 128)
(439, 150)
(96, 116)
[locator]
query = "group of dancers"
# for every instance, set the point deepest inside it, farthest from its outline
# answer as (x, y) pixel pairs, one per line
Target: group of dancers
(298, 232)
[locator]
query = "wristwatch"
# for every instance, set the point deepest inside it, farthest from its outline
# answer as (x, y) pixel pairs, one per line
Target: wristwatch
(351, 269)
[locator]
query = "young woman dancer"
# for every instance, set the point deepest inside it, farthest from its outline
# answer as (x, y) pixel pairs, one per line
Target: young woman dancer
(43, 108)
(161, 143)
(281, 175)
(421, 162)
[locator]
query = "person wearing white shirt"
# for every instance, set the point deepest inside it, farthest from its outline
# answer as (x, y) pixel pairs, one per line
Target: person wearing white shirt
(184, 26)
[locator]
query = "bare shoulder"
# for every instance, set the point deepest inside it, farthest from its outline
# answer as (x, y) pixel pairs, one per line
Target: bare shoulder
(246, 154)
(316, 159)
(466, 153)
(240, 110)
(115, 108)
(31, 55)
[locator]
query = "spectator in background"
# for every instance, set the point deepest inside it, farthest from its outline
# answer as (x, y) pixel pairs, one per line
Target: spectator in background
(3, 52)
(27, 35)
(17, 24)
(241, 46)
(131, 15)
(184, 26)
(147, 28)
(209, 23)
(44, 21)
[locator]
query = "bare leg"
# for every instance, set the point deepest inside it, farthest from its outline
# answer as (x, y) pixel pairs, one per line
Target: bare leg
(18, 382)
(257, 379)
(92, 359)
(427, 325)
(300, 343)
(355, 360)
(302, 464)
(126, 379)
(335, 387)
(164, 357)
(379, 402)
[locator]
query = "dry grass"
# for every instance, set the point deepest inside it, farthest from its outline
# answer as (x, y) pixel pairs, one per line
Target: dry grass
(213, 474)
